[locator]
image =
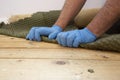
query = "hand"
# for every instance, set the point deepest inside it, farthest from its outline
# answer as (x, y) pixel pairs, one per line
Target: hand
(36, 32)
(75, 38)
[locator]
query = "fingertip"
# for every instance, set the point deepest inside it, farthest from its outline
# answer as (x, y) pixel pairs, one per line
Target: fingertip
(76, 42)
(38, 40)
(70, 40)
(37, 35)
(51, 36)
(75, 45)
(58, 38)
(27, 38)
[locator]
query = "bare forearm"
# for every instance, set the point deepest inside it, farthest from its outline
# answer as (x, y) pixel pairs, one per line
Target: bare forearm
(69, 11)
(106, 17)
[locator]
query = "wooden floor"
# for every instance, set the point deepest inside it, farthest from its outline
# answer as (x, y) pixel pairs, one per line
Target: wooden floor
(26, 60)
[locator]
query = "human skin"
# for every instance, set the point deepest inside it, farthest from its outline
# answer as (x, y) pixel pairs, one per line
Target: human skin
(69, 11)
(105, 18)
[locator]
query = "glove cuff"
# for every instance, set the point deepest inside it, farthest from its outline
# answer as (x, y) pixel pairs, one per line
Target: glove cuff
(93, 35)
(56, 27)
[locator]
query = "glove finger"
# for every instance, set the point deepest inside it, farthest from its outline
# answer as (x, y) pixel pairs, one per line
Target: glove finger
(45, 31)
(70, 40)
(31, 34)
(27, 37)
(53, 35)
(59, 38)
(76, 42)
(37, 35)
(63, 38)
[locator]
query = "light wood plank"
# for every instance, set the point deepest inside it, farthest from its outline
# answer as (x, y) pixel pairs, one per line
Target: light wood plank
(7, 42)
(28, 45)
(58, 54)
(9, 38)
(57, 69)
(27, 60)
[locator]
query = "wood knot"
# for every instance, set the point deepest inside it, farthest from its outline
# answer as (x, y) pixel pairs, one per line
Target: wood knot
(105, 57)
(91, 71)
(19, 60)
(12, 38)
(60, 62)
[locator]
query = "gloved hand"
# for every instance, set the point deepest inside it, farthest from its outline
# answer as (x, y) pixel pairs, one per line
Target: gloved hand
(36, 32)
(75, 37)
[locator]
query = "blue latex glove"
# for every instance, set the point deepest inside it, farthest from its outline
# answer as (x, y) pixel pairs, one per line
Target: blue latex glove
(36, 32)
(75, 37)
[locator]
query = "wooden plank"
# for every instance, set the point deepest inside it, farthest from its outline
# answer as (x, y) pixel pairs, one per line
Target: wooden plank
(28, 45)
(74, 54)
(12, 42)
(9, 38)
(8, 42)
(57, 69)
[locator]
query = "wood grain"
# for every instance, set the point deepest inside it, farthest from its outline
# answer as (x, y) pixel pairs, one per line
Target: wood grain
(58, 69)
(72, 54)
(21, 59)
